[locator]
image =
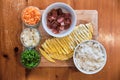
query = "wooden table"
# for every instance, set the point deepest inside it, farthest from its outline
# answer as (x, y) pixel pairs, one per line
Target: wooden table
(10, 46)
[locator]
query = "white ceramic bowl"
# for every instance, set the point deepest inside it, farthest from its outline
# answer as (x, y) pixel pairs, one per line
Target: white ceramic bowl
(95, 71)
(64, 7)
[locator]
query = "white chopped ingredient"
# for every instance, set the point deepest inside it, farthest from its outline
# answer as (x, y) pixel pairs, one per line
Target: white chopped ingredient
(89, 56)
(30, 37)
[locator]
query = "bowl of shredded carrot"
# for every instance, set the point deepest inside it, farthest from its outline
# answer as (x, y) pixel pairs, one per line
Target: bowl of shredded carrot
(31, 16)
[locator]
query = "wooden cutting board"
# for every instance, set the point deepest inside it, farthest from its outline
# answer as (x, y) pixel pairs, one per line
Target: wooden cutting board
(83, 16)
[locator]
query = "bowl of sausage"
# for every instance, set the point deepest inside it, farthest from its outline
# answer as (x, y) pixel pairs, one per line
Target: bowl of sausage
(59, 19)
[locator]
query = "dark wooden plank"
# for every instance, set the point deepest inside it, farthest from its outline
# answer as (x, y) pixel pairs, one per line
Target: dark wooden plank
(10, 46)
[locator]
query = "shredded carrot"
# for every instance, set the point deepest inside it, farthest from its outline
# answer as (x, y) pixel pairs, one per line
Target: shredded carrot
(31, 15)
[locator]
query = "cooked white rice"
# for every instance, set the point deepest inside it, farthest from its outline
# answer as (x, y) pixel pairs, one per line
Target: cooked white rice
(89, 56)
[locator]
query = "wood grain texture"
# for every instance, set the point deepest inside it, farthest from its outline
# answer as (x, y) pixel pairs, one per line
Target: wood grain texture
(10, 46)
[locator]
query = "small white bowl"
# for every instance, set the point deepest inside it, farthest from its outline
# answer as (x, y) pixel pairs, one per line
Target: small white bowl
(95, 71)
(64, 7)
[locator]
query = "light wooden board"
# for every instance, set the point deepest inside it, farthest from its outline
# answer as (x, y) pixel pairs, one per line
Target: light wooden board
(83, 16)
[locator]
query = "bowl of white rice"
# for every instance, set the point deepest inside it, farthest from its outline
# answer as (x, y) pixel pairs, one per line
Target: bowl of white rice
(89, 57)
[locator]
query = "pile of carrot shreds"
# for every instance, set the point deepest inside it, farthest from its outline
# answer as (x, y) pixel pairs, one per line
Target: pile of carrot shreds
(31, 15)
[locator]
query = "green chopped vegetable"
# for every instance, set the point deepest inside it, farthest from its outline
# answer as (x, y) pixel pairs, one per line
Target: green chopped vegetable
(30, 58)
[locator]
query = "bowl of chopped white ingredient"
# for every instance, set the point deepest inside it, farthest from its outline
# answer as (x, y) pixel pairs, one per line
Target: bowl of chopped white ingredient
(30, 37)
(89, 57)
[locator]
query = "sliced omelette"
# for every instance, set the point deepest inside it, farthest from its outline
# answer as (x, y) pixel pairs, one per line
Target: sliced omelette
(63, 48)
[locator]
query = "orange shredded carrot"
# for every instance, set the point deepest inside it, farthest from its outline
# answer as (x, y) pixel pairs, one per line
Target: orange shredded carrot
(31, 15)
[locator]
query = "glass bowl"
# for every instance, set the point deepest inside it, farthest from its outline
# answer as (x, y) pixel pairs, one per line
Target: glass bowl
(27, 39)
(30, 58)
(33, 8)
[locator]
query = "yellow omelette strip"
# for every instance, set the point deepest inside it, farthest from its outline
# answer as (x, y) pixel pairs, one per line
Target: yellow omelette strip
(46, 55)
(85, 31)
(54, 46)
(88, 31)
(49, 44)
(58, 45)
(70, 37)
(82, 37)
(62, 57)
(71, 44)
(67, 43)
(76, 37)
(64, 45)
(90, 27)
(50, 49)
(45, 47)
(82, 34)
(67, 56)
(79, 37)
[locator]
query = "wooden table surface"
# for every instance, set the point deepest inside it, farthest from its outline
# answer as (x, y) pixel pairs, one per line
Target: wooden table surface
(10, 46)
